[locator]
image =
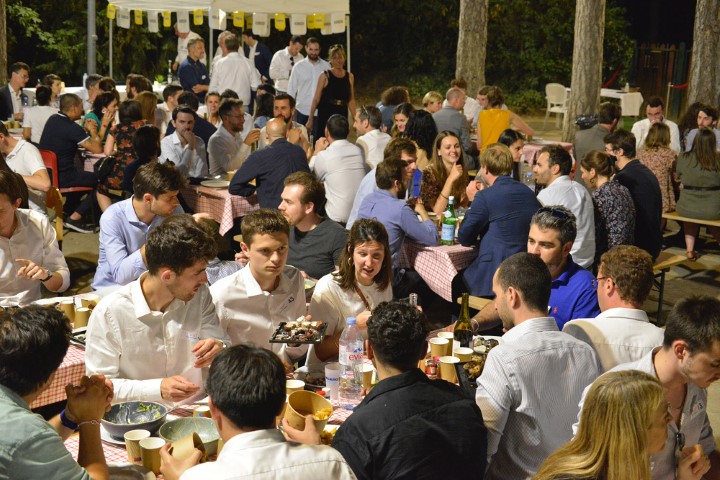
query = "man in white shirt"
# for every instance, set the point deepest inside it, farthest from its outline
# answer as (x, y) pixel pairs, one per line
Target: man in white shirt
(340, 166)
(227, 148)
(155, 336)
(304, 78)
(221, 50)
(622, 332)
(552, 170)
(531, 381)
(368, 121)
(29, 253)
(24, 158)
(252, 302)
(182, 46)
(244, 403)
(235, 72)
(655, 111)
(283, 62)
(163, 113)
(284, 106)
(185, 149)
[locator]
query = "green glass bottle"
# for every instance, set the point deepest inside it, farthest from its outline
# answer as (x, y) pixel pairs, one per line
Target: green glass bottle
(463, 329)
(447, 234)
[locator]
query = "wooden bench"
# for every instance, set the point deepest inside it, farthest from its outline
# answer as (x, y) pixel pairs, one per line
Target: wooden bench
(679, 218)
(664, 263)
(476, 303)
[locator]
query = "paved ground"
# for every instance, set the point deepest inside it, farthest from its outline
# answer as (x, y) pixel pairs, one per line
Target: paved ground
(689, 278)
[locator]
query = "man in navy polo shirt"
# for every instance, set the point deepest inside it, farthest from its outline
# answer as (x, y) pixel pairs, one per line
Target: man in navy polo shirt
(63, 136)
(552, 233)
(193, 73)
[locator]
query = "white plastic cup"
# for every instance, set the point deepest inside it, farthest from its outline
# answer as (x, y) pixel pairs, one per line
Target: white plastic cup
(332, 380)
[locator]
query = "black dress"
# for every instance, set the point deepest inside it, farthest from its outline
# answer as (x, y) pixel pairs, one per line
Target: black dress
(334, 99)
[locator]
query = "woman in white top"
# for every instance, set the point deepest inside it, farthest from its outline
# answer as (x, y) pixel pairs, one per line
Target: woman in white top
(363, 280)
(36, 117)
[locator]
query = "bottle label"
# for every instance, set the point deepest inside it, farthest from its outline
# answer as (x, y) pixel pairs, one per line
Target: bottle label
(448, 233)
(342, 355)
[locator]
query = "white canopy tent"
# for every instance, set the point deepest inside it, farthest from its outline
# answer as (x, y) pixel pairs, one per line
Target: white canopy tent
(330, 8)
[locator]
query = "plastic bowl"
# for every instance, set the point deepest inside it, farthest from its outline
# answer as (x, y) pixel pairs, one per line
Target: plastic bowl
(126, 416)
(174, 430)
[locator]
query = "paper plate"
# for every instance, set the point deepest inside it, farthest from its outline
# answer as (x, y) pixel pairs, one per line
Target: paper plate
(215, 183)
(106, 437)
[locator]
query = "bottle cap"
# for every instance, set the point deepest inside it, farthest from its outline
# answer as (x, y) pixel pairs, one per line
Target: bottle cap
(351, 320)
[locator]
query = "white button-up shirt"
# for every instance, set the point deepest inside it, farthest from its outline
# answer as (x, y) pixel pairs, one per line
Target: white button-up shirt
(577, 199)
(33, 239)
(341, 167)
(266, 455)
(237, 73)
(641, 128)
(192, 163)
(618, 335)
(281, 67)
(251, 315)
(303, 82)
(528, 394)
(137, 347)
(373, 144)
(227, 152)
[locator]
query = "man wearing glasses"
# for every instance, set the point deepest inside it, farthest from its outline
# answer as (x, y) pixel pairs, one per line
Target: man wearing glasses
(226, 148)
(12, 97)
(622, 332)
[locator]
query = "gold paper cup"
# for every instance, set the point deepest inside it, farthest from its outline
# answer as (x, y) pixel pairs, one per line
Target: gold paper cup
(89, 300)
(447, 368)
(150, 452)
(132, 444)
(367, 371)
(184, 448)
(305, 402)
(292, 386)
(450, 336)
(202, 411)
(82, 317)
(68, 308)
(439, 346)
(463, 353)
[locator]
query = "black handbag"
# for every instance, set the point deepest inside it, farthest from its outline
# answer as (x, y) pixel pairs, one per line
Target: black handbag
(104, 167)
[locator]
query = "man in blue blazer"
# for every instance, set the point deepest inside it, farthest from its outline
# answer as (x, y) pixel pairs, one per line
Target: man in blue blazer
(11, 95)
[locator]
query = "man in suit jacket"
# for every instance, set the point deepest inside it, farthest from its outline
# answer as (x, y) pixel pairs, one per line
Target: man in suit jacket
(450, 118)
(593, 138)
(259, 53)
(11, 95)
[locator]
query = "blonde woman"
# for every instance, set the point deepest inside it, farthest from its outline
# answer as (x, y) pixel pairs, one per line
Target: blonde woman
(446, 175)
(335, 91)
(432, 101)
(623, 422)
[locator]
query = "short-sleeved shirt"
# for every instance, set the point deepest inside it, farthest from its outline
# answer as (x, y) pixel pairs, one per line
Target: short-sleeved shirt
(317, 251)
(25, 159)
(63, 136)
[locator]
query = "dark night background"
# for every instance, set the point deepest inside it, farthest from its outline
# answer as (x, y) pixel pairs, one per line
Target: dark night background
(661, 21)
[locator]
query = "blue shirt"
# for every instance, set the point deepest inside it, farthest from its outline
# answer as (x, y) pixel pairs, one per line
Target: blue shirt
(572, 295)
(399, 220)
(193, 73)
(29, 447)
(122, 234)
(367, 186)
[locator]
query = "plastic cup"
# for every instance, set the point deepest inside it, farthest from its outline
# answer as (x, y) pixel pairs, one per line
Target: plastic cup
(82, 317)
(294, 386)
(332, 380)
(132, 444)
(463, 353)
(439, 346)
(447, 368)
(150, 452)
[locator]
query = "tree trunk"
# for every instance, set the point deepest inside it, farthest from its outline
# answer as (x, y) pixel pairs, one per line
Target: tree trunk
(705, 64)
(472, 44)
(3, 43)
(587, 63)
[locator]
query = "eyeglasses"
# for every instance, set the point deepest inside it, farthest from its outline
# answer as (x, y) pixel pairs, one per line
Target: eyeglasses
(557, 213)
(596, 281)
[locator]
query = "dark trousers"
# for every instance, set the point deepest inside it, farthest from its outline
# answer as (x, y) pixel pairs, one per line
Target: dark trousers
(81, 202)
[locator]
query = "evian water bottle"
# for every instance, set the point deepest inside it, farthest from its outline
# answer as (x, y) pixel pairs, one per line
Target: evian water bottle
(351, 359)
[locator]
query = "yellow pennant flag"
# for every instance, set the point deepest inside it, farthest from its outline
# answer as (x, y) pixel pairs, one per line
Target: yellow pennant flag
(248, 22)
(111, 11)
(238, 19)
(138, 17)
(198, 16)
(167, 19)
(280, 22)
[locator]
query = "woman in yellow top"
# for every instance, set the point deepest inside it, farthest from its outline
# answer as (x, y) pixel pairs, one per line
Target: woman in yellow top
(492, 121)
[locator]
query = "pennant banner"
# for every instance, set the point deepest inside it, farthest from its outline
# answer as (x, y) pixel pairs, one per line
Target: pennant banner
(167, 19)
(111, 11)
(217, 19)
(238, 19)
(298, 24)
(138, 17)
(326, 28)
(123, 17)
(153, 26)
(198, 16)
(261, 24)
(337, 20)
(183, 22)
(280, 22)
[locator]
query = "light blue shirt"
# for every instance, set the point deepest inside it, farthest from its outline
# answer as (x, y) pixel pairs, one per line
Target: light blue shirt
(693, 133)
(399, 220)
(367, 186)
(29, 447)
(122, 234)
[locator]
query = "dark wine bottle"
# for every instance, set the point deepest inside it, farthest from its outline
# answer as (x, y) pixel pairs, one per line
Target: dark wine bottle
(463, 329)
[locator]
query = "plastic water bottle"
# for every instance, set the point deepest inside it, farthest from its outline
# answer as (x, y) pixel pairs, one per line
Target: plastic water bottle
(351, 359)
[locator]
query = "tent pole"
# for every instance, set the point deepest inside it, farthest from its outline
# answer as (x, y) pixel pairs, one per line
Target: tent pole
(347, 36)
(110, 54)
(91, 38)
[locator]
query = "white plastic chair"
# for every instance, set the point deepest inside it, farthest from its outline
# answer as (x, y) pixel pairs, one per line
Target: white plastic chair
(556, 96)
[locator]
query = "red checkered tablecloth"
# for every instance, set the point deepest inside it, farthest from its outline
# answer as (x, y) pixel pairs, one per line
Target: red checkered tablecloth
(437, 265)
(71, 370)
(222, 207)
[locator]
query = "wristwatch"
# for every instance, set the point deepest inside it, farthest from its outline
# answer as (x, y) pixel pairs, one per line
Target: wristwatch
(49, 276)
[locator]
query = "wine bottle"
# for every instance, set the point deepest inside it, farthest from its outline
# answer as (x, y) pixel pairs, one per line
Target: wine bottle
(463, 330)
(447, 234)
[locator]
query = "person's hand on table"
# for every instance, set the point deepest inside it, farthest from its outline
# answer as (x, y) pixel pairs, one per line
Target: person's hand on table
(693, 463)
(241, 258)
(177, 388)
(87, 401)
(252, 137)
(321, 144)
(205, 351)
(31, 270)
(171, 467)
(362, 319)
(308, 436)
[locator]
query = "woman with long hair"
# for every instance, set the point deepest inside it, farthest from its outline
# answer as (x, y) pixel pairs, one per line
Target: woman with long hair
(515, 141)
(148, 105)
(390, 98)
(401, 114)
(657, 156)
(362, 280)
(494, 120)
(612, 203)
(146, 144)
(623, 422)
(422, 130)
(335, 92)
(264, 109)
(446, 175)
(102, 116)
(699, 172)
(689, 122)
(54, 83)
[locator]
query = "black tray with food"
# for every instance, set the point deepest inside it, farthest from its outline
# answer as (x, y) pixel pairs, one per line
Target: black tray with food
(77, 337)
(299, 331)
(468, 372)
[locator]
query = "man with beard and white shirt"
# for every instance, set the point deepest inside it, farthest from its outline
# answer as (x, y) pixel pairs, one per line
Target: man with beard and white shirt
(227, 148)
(185, 149)
(156, 336)
(655, 112)
(284, 107)
(304, 78)
(283, 62)
(368, 121)
(235, 72)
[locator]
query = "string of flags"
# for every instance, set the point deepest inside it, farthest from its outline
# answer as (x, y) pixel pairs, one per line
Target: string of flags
(259, 23)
